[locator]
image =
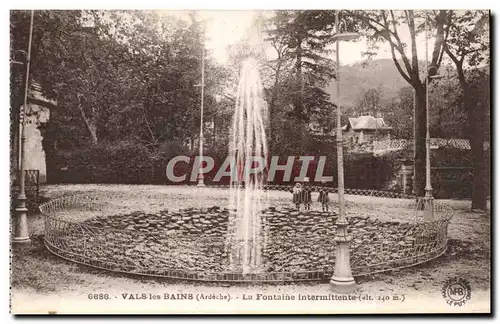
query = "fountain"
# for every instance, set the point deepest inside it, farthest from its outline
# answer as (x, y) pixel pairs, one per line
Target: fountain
(248, 146)
(181, 233)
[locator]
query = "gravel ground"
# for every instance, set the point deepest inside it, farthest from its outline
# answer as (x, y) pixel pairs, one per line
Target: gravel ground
(42, 282)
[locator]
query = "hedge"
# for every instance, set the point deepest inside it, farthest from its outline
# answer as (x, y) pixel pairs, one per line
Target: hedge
(131, 162)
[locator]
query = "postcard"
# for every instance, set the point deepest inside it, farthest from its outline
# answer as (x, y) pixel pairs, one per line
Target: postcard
(250, 162)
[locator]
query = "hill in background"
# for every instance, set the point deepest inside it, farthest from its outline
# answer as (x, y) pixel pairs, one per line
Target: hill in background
(359, 77)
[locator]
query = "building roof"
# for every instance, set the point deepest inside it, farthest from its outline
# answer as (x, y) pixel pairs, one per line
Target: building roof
(366, 123)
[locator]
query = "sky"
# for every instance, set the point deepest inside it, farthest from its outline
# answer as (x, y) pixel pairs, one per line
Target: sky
(226, 27)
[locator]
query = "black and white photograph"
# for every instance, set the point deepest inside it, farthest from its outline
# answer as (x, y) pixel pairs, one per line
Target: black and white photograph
(305, 161)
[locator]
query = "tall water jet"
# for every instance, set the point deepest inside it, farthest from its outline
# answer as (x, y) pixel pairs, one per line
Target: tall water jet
(248, 149)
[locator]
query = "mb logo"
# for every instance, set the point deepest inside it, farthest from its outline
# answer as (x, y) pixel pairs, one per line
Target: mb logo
(456, 291)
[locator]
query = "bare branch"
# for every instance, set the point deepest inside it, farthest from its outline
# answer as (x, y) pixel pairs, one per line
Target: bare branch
(458, 63)
(398, 66)
(405, 59)
(144, 115)
(439, 39)
(445, 39)
(411, 24)
(228, 97)
(90, 128)
(392, 37)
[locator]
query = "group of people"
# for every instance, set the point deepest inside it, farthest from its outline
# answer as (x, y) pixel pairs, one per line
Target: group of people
(302, 195)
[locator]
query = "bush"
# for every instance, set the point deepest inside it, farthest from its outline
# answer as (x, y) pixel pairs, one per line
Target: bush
(131, 162)
(366, 171)
(451, 173)
(123, 162)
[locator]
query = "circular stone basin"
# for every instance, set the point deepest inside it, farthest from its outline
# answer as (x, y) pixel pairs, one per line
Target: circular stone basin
(192, 243)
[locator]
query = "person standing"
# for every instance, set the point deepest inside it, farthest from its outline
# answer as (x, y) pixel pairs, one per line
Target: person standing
(306, 195)
(297, 195)
(323, 198)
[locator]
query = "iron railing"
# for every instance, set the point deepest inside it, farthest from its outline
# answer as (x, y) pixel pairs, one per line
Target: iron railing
(147, 249)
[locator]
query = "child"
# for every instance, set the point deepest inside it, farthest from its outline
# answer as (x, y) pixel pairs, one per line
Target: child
(297, 195)
(323, 198)
(306, 195)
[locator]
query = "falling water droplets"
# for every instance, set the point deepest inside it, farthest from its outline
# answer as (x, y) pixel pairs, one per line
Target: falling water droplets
(248, 148)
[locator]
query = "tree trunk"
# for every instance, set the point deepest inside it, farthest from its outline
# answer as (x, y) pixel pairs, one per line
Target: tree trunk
(90, 122)
(93, 133)
(298, 73)
(476, 120)
(271, 124)
(272, 109)
(419, 138)
(214, 139)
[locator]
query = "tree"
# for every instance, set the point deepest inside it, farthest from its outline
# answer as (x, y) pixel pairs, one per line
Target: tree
(164, 57)
(399, 114)
(369, 103)
(73, 52)
(299, 70)
(302, 37)
(447, 117)
(117, 76)
(385, 26)
(446, 110)
(19, 30)
(278, 66)
(131, 74)
(467, 45)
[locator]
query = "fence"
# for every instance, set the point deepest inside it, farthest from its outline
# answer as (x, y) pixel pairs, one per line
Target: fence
(299, 247)
(398, 144)
(32, 178)
(32, 189)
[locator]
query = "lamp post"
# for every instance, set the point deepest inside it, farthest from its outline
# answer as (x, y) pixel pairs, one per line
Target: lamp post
(21, 233)
(342, 280)
(428, 198)
(19, 155)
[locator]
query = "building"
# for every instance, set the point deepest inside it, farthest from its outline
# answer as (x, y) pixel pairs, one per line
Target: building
(37, 112)
(365, 129)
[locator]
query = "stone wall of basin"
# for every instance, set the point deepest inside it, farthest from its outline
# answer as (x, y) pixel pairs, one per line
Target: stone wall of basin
(194, 241)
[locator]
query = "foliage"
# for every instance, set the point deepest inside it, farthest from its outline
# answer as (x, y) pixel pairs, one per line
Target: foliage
(122, 162)
(118, 75)
(129, 79)
(451, 173)
(385, 26)
(399, 114)
(369, 103)
(467, 45)
(305, 36)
